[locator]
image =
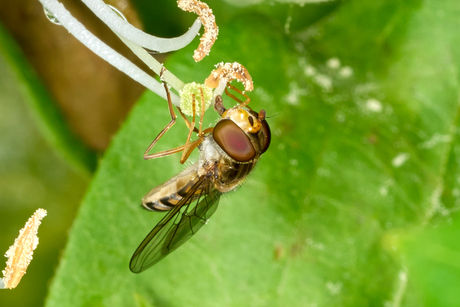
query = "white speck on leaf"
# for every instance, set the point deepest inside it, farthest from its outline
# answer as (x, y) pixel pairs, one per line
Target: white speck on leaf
(309, 71)
(374, 105)
(346, 72)
(295, 92)
(383, 191)
(384, 188)
(334, 288)
(400, 159)
(333, 63)
(436, 205)
(324, 82)
(435, 140)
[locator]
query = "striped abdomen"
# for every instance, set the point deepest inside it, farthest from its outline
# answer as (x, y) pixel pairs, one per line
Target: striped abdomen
(232, 174)
(170, 193)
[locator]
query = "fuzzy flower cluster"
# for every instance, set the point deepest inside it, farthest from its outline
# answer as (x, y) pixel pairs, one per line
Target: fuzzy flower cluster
(195, 92)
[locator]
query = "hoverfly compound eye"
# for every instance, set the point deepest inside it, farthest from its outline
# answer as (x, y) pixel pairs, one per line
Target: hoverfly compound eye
(233, 141)
(267, 134)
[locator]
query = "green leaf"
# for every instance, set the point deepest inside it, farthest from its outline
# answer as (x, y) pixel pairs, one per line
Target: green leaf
(364, 108)
(431, 256)
(49, 119)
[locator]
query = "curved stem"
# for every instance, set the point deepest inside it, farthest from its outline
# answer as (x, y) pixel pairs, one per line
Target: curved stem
(125, 29)
(104, 51)
(153, 64)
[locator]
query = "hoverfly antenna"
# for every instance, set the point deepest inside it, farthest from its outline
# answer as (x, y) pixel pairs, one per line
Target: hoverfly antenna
(262, 115)
(271, 116)
(219, 105)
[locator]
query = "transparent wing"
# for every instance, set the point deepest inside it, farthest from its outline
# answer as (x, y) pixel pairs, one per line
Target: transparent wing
(182, 222)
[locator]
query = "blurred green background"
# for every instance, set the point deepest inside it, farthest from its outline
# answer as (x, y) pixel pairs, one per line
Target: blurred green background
(32, 176)
(354, 204)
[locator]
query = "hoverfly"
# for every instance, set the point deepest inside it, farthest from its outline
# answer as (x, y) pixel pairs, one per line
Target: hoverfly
(228, 153)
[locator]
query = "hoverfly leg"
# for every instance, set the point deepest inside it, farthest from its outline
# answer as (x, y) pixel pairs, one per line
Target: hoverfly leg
(189, 150)
(166, 128)
(187, 122)
(208, 130)
(241, 103)
(192, 127)
(200, 132)
(189, 147)
(216, 171)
